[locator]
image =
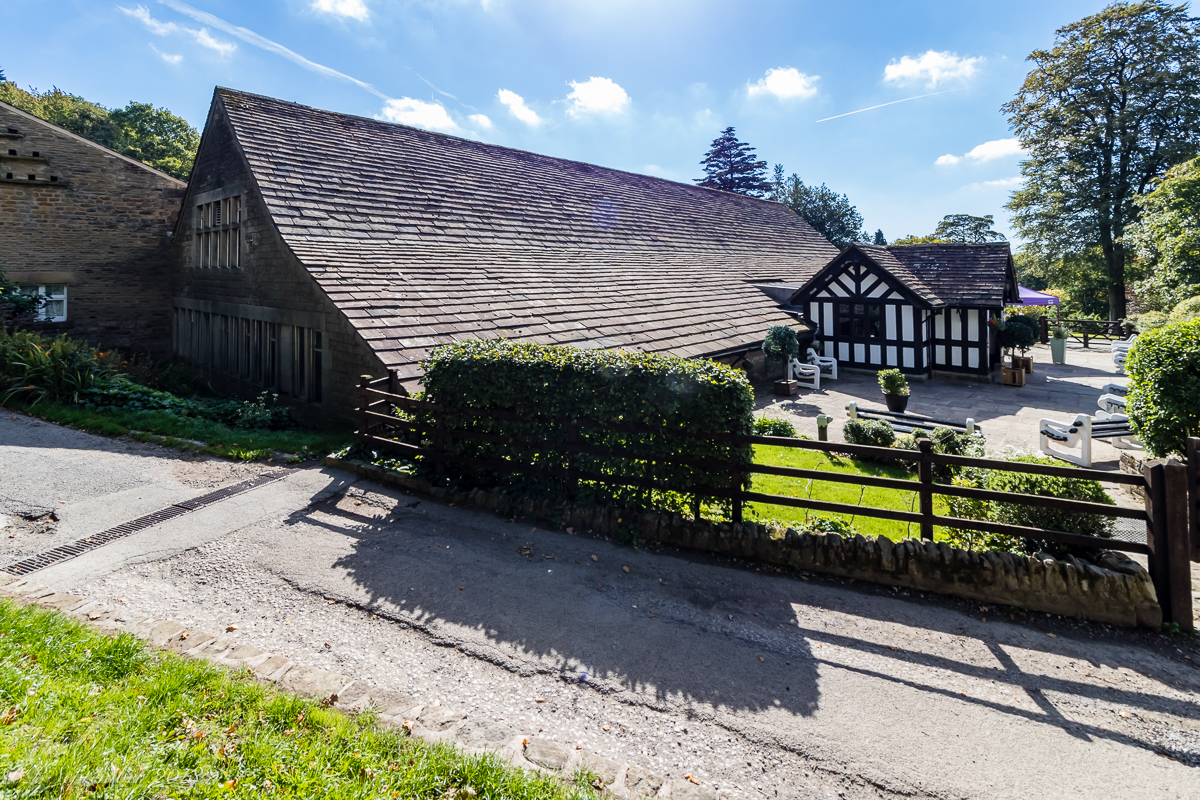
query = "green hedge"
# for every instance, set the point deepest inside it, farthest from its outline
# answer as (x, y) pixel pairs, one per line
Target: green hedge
(1164, 387)
(606, 386)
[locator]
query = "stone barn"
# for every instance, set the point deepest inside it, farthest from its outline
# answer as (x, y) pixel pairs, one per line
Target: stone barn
(88, 228)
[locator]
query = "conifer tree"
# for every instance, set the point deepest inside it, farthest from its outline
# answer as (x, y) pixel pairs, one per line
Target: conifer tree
(730, 165)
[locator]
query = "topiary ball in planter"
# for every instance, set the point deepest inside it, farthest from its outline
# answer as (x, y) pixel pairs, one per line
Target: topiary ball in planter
(895, 389)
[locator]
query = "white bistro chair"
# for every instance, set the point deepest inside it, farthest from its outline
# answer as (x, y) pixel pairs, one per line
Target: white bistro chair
(825, 363)
(807, 375)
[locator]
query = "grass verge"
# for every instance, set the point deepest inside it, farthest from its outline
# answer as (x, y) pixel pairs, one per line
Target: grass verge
(182, 432)
(832, 492)
(84, 715)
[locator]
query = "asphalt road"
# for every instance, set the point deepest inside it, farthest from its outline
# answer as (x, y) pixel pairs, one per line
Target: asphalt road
(763, 684)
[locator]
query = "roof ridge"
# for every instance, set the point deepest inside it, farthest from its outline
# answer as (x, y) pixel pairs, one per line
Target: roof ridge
(88, 141)
(223, 90)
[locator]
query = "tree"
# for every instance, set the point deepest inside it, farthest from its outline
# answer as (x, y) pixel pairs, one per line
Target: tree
(968, 229)
(1167, 237)
(730, 165)
(904, 241)
(879, 238)
(152, 135)
(833, 216)
(157, 137)
(1107, 110)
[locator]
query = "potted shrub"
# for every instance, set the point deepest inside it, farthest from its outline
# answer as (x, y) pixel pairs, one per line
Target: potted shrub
(895, 389)
(1027, 336)
(779, 345)
(1058, 344)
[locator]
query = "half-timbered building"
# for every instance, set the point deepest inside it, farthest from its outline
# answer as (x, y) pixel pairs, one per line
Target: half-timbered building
(926, 309)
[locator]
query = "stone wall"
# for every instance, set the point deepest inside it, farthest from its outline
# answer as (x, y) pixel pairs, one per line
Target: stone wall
(93, 220)
(1114, 589)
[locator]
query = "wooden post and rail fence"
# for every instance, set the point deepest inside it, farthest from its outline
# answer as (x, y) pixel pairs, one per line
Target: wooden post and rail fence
(1172, 490)
(1084, 330)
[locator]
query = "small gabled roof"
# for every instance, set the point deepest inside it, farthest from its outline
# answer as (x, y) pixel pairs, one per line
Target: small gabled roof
(951, 274)
(963, 275)
(422, 238)
(884, 260)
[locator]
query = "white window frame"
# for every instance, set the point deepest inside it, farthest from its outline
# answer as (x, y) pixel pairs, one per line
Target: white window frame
(54, 293)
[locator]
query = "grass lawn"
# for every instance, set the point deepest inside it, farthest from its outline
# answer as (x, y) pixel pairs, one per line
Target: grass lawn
(174, 430)
(834, 492)
(84, 715)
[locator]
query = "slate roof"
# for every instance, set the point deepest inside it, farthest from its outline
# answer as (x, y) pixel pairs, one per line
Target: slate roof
(963, 275)
(955, 275)
(422, 238)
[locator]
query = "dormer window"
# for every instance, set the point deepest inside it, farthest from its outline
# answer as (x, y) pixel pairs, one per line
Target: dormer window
(218, 233)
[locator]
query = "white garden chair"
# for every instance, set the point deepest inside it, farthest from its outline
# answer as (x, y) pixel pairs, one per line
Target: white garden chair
(807, 375)
(825, 363)
(1118, 389)
(1112, 404)
(1120, 351)
(1077, 434)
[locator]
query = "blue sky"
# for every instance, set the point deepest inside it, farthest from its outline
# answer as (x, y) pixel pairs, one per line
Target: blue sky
(641, 85)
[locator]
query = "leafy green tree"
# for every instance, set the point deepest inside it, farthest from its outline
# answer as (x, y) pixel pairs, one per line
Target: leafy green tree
(1167, 237)
(910, 239)
(730, 165)
(1103, 113)
(969, 229)
(157, 137)
(152, 135)
(832, 214)
(879, 238)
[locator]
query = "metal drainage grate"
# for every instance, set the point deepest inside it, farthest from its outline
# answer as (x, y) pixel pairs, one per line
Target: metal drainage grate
(77, 548)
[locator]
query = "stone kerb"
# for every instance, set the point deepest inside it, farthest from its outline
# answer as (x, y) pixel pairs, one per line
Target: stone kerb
(1112, 589)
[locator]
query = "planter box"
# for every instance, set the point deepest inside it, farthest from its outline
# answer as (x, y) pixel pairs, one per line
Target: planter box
(1012, 377)
(1058, 350)
(1024, 363)
(896, 402)
(787, 388)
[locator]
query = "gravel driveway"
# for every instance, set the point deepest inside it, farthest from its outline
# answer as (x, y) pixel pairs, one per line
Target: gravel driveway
(762, 684)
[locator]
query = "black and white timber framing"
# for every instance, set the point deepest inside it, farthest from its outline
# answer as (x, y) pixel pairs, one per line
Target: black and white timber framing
(923, 309)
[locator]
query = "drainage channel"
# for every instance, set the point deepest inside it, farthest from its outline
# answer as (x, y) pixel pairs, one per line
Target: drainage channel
(77, 548)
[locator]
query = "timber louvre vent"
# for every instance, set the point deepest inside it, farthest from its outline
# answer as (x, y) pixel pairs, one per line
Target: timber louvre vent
(77, 548)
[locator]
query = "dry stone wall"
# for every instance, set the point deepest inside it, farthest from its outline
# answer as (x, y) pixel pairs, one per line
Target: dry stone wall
(1112, 589)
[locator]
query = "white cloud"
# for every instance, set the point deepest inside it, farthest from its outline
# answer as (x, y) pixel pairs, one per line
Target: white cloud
(481, 120)
(419, 114)
(932, 67)
(516, 106)
(158, 28)
(988, 151)
(204, 38)
(1005, 183)
(250, 37)
(785, 83)
(142, 14)
(355, 9)
(170, 58)
(596, 96)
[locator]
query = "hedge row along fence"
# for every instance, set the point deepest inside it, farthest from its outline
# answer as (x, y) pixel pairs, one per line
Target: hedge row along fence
(542, 427)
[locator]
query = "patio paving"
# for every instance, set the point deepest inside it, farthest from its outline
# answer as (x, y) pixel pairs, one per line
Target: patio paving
(1008, 416)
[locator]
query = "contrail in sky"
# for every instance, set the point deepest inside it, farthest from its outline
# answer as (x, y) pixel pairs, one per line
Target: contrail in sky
(871, 108)
(250, 37)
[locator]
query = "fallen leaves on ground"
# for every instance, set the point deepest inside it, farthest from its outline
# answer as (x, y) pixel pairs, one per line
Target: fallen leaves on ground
(231, 628)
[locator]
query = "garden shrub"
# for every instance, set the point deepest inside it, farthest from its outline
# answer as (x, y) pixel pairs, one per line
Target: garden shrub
(34, 369)
(1150, 321)
(818, 523)
(875, 432)
(1164, 387)
(602, 387)
(781, 344)
(1030, 516)
(892, 381)
(1019, 333)
(1185, 311)
(773, 427)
